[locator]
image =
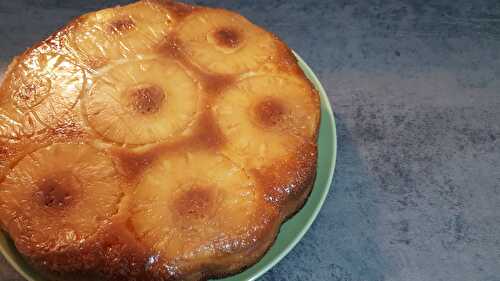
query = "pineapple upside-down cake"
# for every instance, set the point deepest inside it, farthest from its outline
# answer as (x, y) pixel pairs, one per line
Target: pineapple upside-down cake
(154, 141)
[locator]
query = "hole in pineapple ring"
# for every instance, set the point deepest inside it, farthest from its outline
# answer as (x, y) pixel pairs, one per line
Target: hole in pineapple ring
(269, 112)
(226, 37)
(145, 98)
(57, 191)
(195, 202)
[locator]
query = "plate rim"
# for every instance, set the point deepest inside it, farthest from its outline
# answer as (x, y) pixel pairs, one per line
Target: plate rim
(324, 100)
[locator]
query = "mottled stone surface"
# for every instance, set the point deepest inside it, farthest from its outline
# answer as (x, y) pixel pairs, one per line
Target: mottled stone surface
(415, 86)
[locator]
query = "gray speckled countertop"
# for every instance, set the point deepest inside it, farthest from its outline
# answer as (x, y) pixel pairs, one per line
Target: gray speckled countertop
(415, 86)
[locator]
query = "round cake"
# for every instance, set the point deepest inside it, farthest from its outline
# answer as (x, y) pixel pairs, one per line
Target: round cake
(154, 141)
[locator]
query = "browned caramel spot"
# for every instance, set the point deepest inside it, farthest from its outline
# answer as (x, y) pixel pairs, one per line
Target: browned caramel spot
(146, 99)
(195, 202)
(179, 9)
(121, 25)
(171, 47)
(269, 112)
(57, 191)
(209, 134)
(215, 83)
(131, 165)
(227, 37)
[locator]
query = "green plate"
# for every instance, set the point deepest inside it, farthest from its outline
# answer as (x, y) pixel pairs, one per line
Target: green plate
(291, 232)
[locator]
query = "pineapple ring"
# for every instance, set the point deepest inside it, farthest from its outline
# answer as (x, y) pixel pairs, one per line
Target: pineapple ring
(266, 117)
(46, 84)
(57, 197)
(119, 33)
(142, 101)
(186, 213)
(225, 42)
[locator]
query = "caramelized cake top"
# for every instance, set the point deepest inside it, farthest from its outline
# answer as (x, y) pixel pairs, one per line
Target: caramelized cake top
(154, 141)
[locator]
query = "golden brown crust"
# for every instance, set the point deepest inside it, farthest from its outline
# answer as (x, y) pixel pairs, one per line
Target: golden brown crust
(150, 121)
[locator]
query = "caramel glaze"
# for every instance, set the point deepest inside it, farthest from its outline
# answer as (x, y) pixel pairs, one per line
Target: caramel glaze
(285, 184)
(206, 135)
(212, 83)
